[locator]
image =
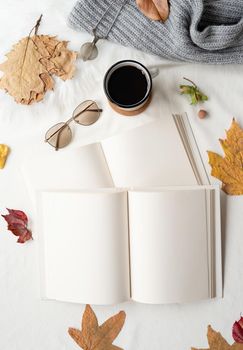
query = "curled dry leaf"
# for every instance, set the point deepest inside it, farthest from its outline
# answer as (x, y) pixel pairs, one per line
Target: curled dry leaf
(30, 65)
(217, 342)
(95, 337)
(237, 331)
(229, 169)
(157, 10)
(17, 222)
(56, 57)
(4, 151)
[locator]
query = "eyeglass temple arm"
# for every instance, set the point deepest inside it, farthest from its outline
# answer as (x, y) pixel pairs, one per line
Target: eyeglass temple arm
(90, 110)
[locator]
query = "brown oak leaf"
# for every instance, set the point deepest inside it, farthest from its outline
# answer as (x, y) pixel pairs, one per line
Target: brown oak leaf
(31, 63)
(217, 342)
(22, 71)
(157, 10)
(17, 223)
(229, 169)
(56, 57)
(95, 337)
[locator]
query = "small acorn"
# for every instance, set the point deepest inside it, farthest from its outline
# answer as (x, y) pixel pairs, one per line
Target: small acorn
(202, 113)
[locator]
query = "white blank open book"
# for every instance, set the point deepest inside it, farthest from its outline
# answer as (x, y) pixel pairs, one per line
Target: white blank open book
(153, 246)
(160, 153)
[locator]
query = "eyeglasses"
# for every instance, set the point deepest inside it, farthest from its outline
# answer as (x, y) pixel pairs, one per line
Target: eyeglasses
(60, 135)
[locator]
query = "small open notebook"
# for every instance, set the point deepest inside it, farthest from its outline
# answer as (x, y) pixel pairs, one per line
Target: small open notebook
(160, 153)
(153, 246)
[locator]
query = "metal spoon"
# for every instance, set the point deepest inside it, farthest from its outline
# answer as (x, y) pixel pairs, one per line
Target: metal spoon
(89, 51)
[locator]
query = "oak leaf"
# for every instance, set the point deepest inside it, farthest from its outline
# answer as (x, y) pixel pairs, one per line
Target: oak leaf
(95, 337)
(56, 57)
(31, 63)
(217, 342)
(17, 222)
(229, 169)
(23, 71)
(157, 10)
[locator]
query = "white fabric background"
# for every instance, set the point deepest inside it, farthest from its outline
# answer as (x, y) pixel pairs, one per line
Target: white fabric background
(28, 323)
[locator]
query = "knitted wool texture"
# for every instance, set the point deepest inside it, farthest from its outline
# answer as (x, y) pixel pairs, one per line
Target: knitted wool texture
(208, 31)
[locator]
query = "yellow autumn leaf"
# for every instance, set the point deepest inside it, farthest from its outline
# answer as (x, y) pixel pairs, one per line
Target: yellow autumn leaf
(229, 169)
(4, 151)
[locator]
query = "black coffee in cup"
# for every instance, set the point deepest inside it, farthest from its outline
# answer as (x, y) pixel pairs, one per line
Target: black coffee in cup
(128, 86)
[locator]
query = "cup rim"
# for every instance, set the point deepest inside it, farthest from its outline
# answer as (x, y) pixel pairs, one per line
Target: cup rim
(134, 104)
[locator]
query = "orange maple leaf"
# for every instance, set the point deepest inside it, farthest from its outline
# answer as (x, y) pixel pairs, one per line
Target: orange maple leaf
(217, 342)
(95, 337)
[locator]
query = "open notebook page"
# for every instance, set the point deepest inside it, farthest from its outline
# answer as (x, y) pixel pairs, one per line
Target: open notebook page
(83, 167)
(170, 248)
(84, 244)
(150, 155)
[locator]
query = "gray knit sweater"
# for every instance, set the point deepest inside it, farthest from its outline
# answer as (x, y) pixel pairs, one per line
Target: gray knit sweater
(209, 31)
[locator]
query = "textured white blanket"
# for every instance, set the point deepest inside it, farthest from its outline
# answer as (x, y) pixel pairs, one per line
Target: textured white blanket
(28, 323)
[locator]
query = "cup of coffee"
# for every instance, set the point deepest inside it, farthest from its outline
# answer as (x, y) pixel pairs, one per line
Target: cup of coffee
(128, 87)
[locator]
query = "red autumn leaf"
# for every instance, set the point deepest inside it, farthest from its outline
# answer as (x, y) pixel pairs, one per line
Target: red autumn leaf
(17, 222)
(237, 331)
(26, 236)
(16, 216)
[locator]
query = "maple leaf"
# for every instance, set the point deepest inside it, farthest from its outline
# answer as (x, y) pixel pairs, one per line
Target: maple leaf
(217, 342)
(17, 222)
(95, 337)
(157, 10)
(30, 64)
(229, 169)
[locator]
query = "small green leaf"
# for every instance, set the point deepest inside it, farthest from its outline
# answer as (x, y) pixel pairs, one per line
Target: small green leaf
(204, 98)
(186, 89)
(193, 93)
(193, 99)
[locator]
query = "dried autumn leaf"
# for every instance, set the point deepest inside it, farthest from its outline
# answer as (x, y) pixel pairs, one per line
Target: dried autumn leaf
(157, 10)
(237, 331)
(95, 337)
(217, 342)
(22, 71)
(229, 169)
(56, 57)
(17, 223)
(4, 151)
(30, 64)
